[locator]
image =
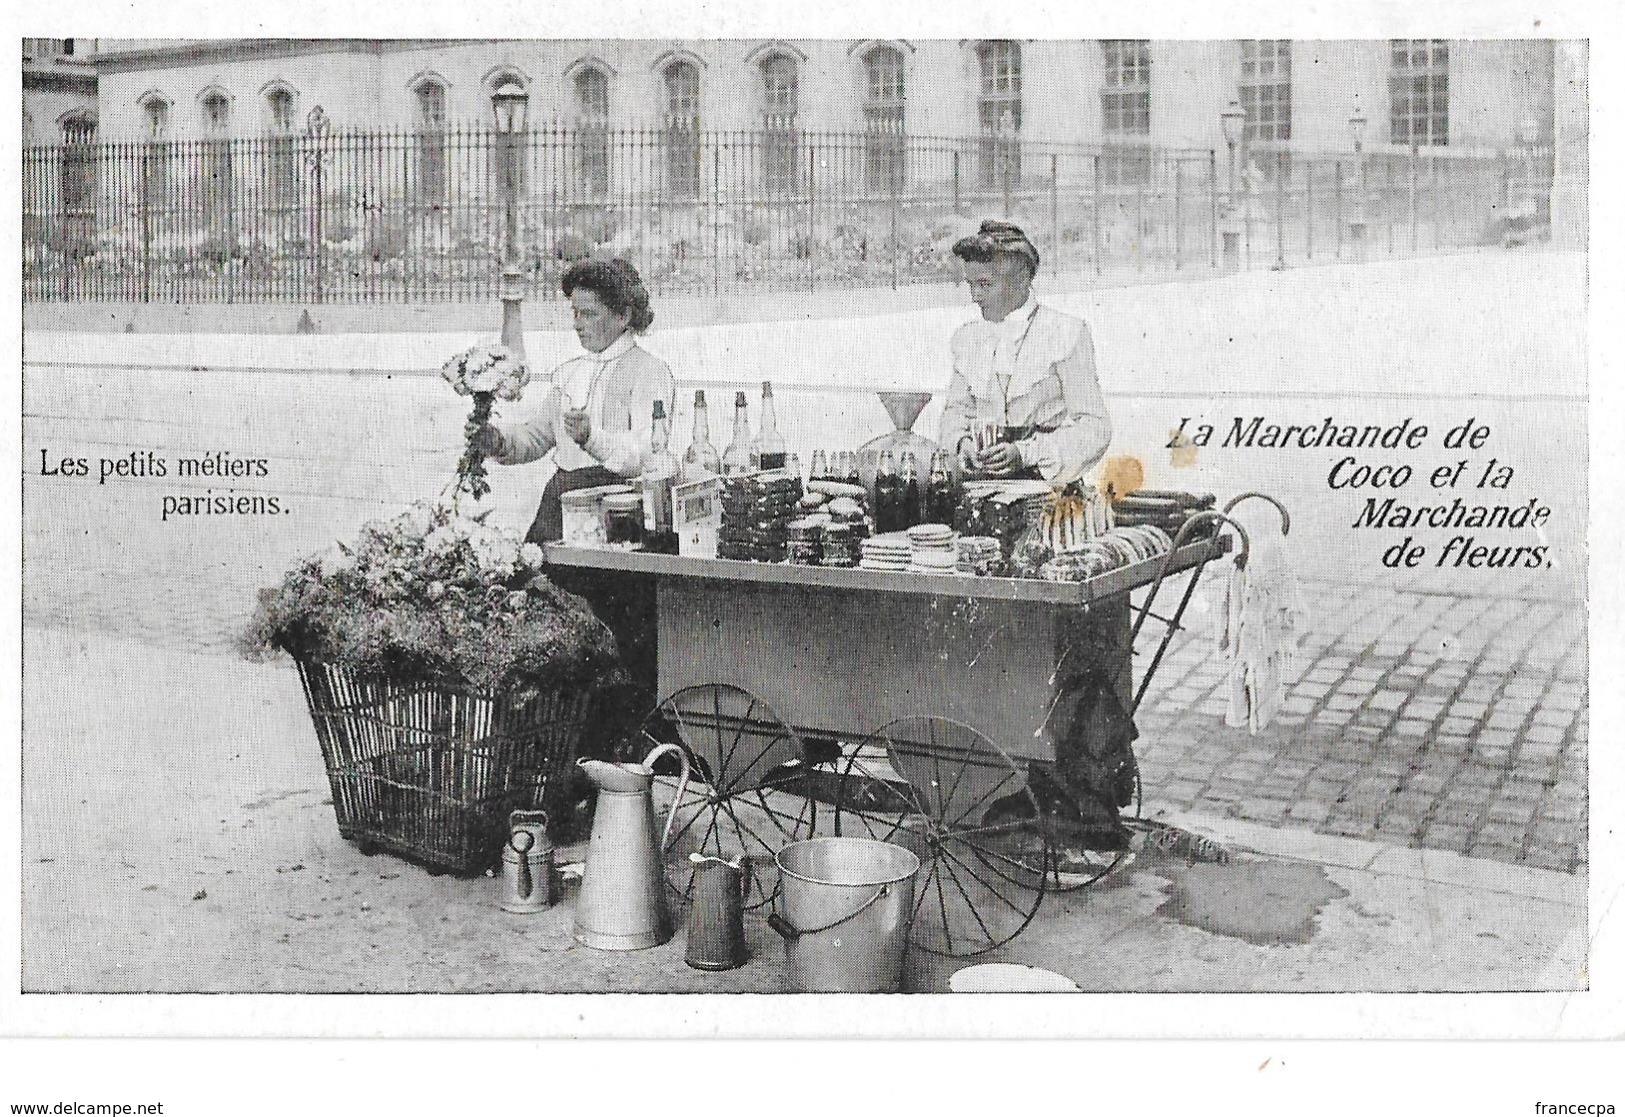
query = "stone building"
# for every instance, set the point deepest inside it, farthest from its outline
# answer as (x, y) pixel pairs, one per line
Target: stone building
(59, 91)
(1476, 95)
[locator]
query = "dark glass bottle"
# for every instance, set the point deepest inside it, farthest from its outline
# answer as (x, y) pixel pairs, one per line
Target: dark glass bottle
(849, 468)
(939, 491)
(909, 504)
(888, 495)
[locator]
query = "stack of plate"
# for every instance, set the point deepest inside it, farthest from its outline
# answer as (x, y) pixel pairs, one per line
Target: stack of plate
(931, 548)
(977, 554)
(886, 552)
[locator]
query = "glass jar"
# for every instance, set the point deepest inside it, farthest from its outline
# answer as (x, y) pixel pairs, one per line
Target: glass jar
(623, 520)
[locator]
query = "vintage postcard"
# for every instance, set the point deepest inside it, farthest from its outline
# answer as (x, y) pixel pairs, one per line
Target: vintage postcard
(702, 512)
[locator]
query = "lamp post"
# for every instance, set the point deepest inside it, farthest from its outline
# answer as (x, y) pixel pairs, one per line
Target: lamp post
(1357, 222)
(1231, 121)
(510, 103)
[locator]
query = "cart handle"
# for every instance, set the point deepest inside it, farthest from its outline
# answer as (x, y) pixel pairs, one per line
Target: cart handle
(791, 933)
(1286, 517)
(1168, 558)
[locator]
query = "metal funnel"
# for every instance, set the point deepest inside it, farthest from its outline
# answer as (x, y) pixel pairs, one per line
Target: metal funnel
(904, 407)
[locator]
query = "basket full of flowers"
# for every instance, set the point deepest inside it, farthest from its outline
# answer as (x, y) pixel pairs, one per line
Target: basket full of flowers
(448, 680)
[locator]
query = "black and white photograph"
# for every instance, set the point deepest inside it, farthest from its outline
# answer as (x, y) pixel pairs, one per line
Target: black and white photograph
(775, 514)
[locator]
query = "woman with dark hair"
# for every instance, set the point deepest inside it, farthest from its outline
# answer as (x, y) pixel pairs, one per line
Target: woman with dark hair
(595, 417)
(1023, 400)
(595, 421)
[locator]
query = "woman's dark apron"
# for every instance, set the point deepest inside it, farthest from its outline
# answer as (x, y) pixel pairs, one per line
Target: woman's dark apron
(623, 600)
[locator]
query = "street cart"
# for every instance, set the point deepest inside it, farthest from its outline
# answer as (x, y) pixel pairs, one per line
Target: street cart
(912, 707)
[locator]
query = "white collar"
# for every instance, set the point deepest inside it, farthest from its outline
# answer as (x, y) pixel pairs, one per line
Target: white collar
(1014, 324)
(617, 348)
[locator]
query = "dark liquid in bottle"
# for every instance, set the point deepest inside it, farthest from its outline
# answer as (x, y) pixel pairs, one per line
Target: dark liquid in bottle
(889, 503)
(774, 461)
(909, 505)
(939, 502)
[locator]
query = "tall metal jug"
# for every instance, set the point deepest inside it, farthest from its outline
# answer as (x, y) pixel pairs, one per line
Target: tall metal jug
(622, 903)
(716, 918)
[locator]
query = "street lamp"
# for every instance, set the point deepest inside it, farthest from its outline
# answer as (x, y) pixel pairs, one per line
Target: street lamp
(1357, 223)
(1231, 121)
(509, 104)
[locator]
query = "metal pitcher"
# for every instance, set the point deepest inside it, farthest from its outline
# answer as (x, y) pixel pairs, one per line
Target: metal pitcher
(528, 873)
(716, 918)
(622, 903)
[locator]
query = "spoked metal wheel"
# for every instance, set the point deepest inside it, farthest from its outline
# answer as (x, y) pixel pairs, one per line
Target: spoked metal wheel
(947, 792)
(744, 796)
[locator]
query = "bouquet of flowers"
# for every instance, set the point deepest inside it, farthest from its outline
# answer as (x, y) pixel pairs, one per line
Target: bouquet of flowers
(485, 372)
(436, 595)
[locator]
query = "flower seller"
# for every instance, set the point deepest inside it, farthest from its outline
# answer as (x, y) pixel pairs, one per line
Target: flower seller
(595, 422)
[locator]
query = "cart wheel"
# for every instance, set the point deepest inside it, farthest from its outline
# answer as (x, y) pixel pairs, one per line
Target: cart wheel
(745, 795)
(944, 790)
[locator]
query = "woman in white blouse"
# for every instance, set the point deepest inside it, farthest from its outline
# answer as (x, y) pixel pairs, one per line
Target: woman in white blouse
(1023, 400)
(595, 416)
(595, 420)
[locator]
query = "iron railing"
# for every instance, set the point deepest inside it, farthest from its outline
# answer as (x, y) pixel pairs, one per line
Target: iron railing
(399, 216)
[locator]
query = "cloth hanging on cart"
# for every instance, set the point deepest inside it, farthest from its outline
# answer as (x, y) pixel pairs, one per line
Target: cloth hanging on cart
(1262, 620)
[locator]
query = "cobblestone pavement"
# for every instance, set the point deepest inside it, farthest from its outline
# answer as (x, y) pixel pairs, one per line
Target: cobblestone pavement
(1440, 721)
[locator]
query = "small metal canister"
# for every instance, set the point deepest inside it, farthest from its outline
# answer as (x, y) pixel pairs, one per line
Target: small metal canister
(529, 876)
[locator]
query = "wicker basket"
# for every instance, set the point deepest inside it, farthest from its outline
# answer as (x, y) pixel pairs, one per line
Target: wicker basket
(431, 771)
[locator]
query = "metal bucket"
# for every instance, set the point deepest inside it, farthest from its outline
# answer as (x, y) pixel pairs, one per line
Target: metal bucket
(845, 905)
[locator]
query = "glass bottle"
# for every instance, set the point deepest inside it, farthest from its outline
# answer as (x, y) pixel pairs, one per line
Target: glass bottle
(939, 491)
(736, 458)
(909, 502)
(888, 495)
(701, 459)
(768, 450)
(848, 469)
(820, 467)
(658, 474)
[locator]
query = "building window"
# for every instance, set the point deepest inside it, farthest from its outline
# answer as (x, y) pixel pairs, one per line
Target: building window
(216, 171)
(1419, 92)
(1265, 91)
(999, 112)
(1125, 112)
(78, 175)
(155, 154)
(682, 79)
(781, 142)
(883, 115)
(282, 146)
(431, 104)
(1125, 102)
(592, 127)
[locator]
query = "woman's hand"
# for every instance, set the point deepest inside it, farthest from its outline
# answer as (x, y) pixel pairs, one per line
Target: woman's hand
(1000, 460)
(578, 425)
(967, 454)
(485, 438)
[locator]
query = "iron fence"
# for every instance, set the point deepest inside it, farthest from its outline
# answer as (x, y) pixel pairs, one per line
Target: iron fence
(360, 216)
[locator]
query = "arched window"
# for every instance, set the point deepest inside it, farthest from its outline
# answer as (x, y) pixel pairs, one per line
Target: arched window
(77, 180)
(430, 94)
(682, 82)
(282, 142)
(999, 112)
(883, 115)
(155, 155)
(215, 174)
(781, 164)
(592, 130)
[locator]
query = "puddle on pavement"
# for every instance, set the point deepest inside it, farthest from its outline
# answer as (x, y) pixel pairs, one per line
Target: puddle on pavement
(1261, 902)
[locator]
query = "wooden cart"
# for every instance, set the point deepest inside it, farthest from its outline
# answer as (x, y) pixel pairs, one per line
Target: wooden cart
(899, 705)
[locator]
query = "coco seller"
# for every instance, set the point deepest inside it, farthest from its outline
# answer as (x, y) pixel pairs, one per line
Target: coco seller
(595, 420)
(1024, 374)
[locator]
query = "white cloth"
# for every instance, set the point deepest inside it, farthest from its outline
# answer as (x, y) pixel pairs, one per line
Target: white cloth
(1262, 621)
